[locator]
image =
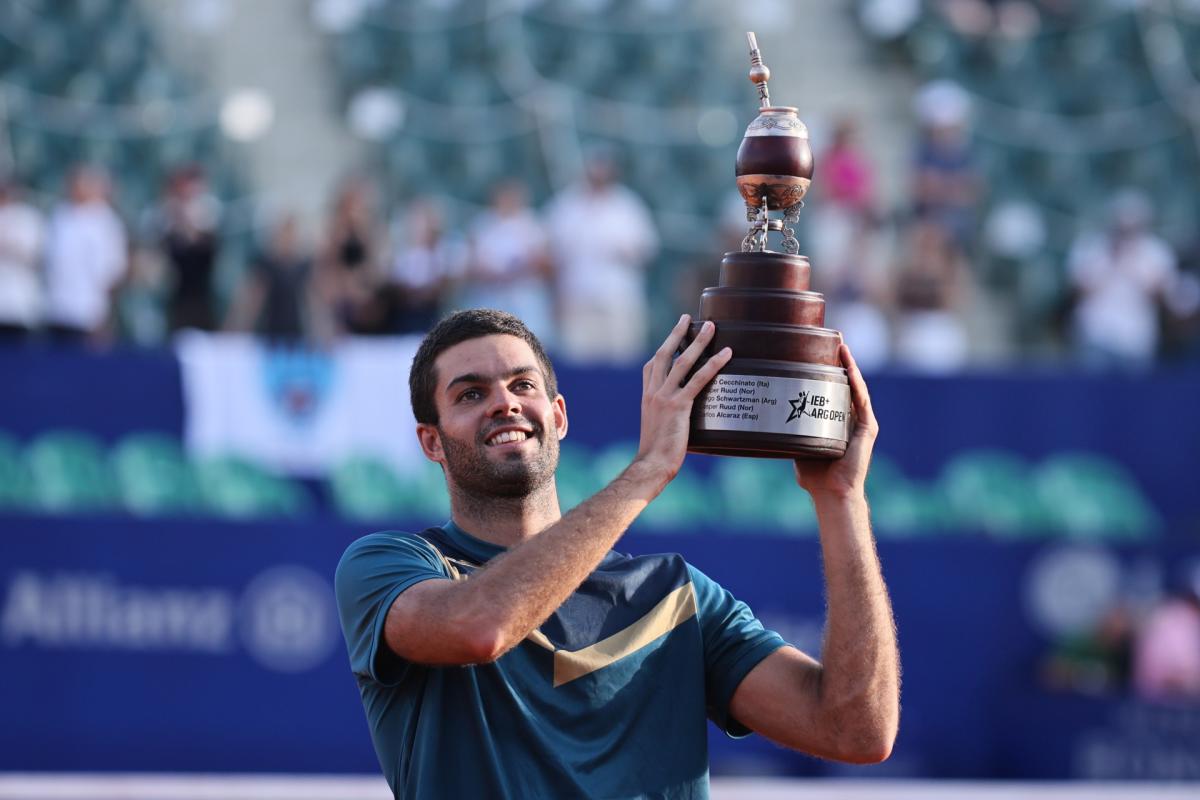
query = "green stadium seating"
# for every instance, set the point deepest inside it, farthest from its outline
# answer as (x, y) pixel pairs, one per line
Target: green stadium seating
(1089, 496)
(576, 478)
(75, 75)
(907, 508)
(16, 486)
(154, 476)
(990, 490)
(368, 489)
(70, 473)
(611, 69)
(234, 487)
(684, 502)
(760, 494)
(1064, 117)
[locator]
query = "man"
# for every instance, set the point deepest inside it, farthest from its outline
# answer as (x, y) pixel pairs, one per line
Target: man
(1122, 277)
(602, 237)
(511, 654)
(21, 235)
(86, 260)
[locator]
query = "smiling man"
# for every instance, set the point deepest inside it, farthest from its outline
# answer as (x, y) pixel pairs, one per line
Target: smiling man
(510, 653)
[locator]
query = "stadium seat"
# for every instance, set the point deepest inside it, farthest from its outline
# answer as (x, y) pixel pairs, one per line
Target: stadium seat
(760, 495)
(426, 488)
(684, 503)
(16, 488)
(910, 509)
(368, 489)
(70, 473)
(1088, 496)
(234, 487)
(576, 478)
(642, 57)
(990, 490)
(153, 475)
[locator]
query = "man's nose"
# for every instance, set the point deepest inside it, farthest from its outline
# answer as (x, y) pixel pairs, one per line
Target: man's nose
(504, 403)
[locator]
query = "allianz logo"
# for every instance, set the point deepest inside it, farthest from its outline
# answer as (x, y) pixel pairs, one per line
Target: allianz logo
(284, 618)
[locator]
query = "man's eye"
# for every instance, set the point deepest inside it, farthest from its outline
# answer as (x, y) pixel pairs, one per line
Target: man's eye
(470, 394)
(524, 384)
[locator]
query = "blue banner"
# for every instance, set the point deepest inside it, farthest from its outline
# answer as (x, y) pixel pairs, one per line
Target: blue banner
(1144, 422)
(197, 646)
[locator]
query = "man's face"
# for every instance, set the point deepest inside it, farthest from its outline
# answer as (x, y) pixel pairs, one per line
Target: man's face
(498, 431)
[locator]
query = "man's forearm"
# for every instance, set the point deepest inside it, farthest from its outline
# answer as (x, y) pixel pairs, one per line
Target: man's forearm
(517, 591)
(860, 679)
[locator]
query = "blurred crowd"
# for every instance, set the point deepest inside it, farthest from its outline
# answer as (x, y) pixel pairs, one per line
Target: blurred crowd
(899, 283)
(574, 271)
(1012, 19)
(1146, 644)
(907, 289)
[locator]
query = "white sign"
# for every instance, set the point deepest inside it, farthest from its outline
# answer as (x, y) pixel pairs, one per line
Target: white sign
(296, 410)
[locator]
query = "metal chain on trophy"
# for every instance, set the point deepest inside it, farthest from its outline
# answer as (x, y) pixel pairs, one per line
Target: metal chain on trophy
(752, 215)
(791, 215)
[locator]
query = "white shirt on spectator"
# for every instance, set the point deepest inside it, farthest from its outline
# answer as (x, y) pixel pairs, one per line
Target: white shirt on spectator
(508, 251)
(21, 236)
(85, 257)
(602, 240)
(1120, 288)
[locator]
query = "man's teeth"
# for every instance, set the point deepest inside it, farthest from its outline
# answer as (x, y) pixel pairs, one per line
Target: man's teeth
(508, 436)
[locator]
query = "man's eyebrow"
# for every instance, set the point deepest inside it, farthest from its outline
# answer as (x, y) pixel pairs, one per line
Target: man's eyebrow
(478, 377)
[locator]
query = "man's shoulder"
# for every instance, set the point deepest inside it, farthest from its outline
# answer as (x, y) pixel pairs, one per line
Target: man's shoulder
(385, 537)
(392, 542)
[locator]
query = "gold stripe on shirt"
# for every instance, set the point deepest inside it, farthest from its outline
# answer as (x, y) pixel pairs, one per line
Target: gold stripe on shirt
(672, 611)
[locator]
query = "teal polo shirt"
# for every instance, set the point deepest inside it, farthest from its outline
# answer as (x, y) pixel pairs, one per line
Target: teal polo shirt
(606, 699)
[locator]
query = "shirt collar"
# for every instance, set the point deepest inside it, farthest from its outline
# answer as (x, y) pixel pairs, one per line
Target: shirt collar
(477, 549)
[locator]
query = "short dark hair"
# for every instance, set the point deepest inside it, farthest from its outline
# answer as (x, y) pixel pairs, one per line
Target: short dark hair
(459, 327)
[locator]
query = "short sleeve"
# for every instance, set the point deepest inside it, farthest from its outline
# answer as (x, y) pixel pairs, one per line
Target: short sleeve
(372, 573)
(734, 642)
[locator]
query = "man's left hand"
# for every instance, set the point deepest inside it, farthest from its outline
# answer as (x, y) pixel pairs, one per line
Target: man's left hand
(847, 475)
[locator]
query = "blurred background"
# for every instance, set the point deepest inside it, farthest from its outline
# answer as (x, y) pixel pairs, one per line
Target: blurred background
(224, 225)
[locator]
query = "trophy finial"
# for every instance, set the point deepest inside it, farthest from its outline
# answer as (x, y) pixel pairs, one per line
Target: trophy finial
(759, 73)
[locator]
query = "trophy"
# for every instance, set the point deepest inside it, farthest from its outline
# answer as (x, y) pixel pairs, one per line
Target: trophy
(784, 393)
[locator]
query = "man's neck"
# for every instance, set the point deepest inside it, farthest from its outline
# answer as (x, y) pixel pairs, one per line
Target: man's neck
(505, 521)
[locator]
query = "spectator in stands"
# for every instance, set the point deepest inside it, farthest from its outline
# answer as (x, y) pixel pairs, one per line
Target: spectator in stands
(1166, 662)
(602, 238)
(1181, 329)
(510, 267)
(186, 226)
(277, 297)
(947, 182)
(350, 260)
(846, 247)
(930, 293)
(1016, 19)
(1120, 277)
(427, 263)
(86, 259)
(1096, 661)
(22, 232)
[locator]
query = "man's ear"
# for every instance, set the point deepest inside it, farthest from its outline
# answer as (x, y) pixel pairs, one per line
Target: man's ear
(560, 416)
(431, 442)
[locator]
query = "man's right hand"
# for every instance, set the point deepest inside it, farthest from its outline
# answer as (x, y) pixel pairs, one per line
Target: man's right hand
(667, 399)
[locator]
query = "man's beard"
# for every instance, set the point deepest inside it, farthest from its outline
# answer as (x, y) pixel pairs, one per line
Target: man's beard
(474, 471)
